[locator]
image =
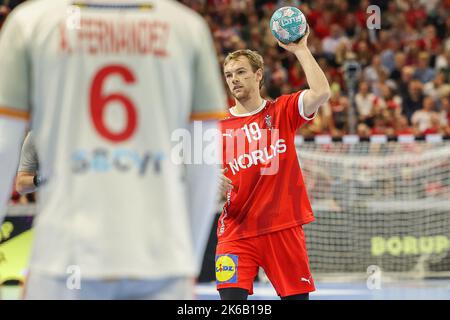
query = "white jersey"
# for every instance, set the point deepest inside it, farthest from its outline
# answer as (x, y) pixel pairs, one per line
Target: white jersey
(106, 84)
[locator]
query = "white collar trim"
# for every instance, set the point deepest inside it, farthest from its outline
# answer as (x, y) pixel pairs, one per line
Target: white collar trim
(263, 104)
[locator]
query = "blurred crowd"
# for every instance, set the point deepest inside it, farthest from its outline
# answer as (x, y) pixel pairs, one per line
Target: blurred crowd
(403, 87)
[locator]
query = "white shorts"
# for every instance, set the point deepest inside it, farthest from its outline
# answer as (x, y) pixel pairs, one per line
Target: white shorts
(45, 287)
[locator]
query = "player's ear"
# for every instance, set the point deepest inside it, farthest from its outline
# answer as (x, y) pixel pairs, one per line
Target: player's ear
(259, 76)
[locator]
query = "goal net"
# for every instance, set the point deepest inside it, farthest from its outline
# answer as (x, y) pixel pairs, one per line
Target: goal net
(384, 204)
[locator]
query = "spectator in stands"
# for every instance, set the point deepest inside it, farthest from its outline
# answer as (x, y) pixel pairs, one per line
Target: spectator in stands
(411, 48)
(296, 77)
(436, 126)
(437, 88)
(446, 69)
(390, 115)
(413, 100)
(424, 72)
(363, 130)
(399, 63)
(320, 124)
(379, 127)
(331, 42)
(366, 103)
(252, 24)
(375, 71)
(350, 25)
(407, 74)
(445, 114)
(286, 3)
(429, 41)
(416, 15)
(339, 116)
(402, 126)
(390, 99)
(443, 62)
(227, 30)
(278, 77)
(363, 52)
(388, 55)
(361, 12)
(390, 16)
(421, 119)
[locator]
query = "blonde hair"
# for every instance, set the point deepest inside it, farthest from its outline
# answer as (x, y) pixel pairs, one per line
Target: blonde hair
(255, 59)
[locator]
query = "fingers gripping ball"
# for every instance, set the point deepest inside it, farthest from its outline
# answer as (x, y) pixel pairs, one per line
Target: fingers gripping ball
(288, 24)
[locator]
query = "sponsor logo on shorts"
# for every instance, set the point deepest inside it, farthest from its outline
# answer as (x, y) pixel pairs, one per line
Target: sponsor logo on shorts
(226, 268)
(306, 280)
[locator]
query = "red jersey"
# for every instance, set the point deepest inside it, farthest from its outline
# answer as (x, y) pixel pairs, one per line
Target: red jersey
(259, 152)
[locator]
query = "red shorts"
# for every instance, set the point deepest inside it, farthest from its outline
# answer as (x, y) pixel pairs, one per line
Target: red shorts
(281, 254)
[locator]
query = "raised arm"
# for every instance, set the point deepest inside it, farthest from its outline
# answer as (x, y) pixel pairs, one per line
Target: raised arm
(319, 89)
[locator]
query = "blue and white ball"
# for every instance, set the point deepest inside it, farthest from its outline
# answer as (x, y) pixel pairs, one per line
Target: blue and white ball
(288, 24)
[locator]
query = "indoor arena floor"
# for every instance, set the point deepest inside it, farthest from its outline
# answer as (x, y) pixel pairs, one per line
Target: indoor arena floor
(404, 290)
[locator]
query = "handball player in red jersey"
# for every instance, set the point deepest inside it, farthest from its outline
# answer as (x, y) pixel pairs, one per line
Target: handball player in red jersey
(266, 198)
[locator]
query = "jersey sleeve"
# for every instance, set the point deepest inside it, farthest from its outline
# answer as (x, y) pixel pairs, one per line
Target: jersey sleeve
(293, 107)
(208, 96)
(28, 157)
(14, 70)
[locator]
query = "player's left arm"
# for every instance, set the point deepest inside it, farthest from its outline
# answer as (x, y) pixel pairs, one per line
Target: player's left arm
(319, 89)
(13, 131)
(14, 100)
(27, 179)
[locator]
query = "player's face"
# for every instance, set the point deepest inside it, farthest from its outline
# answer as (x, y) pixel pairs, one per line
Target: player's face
(242, 81)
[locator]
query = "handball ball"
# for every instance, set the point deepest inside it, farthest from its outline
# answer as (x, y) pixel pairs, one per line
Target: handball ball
(288, 24)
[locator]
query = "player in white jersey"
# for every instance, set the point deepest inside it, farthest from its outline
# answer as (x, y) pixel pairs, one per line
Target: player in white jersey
(105, 84)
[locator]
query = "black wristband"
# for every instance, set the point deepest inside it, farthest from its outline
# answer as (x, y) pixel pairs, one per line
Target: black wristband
(36, 180)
